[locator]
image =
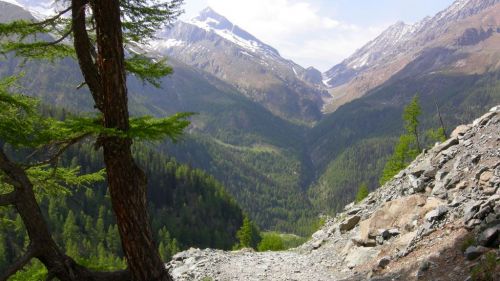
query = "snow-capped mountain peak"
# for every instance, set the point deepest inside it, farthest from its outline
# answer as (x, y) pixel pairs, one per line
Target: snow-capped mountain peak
(210, 21)
(400, 38)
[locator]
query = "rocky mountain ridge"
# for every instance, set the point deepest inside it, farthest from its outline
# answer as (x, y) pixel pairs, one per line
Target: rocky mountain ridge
(211, 43)
(403, 44)
(436, 219)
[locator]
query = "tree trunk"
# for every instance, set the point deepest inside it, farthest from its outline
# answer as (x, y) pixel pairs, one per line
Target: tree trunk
(127, 183)
(42, 246)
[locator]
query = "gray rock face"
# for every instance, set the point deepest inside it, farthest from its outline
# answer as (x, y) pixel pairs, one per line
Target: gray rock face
(470, 210)
(349, 223)
(436, 213)
(213, 44)
(490, 237)
(472, 252)
(383, 262)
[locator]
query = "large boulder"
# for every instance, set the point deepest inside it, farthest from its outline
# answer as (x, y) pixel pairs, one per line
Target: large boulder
(490, 237)
(349, 223)
(398, 214)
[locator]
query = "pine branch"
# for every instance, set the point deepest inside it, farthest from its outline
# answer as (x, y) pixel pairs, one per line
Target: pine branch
(8, 198)
(64, 145)
(19, 264)
(147, 69)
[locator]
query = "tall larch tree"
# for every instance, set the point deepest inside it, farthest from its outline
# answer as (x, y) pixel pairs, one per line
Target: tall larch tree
(99, 30)
(408, 146)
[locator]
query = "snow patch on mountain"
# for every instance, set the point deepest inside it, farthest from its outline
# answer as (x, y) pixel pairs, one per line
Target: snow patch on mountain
(210, 21)
(40, 9)
(399, 38)
(166, 44)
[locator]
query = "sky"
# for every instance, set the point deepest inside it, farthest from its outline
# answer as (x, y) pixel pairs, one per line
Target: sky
(319, 33)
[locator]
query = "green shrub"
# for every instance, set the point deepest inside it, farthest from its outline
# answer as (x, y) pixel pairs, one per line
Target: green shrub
(362, 192)
(488, 268)
(248, 235)
(271, 242)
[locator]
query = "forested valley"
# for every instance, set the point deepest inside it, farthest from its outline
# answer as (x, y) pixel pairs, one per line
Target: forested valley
(115, 156)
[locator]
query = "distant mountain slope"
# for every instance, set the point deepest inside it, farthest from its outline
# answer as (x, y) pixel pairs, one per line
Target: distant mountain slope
(213, 44)
(258, 156)
(464, 38)
(375, 119)
(436, 220)
(250, 101)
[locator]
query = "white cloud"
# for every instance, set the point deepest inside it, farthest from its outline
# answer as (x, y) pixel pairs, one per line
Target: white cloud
(297, 29)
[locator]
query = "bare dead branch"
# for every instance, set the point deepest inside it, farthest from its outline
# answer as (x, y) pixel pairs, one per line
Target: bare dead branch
(81, 85)
(52, 19)
(64, 36)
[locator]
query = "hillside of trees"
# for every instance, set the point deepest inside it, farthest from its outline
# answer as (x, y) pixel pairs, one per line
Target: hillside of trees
(189, 209)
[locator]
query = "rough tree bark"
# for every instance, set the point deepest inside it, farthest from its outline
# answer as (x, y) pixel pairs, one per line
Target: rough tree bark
(126, 181)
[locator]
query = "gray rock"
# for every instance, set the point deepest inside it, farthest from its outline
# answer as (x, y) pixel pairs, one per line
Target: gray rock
(470, 210)
(426, 229)
(468, 143)
(480, 172)
(353, 211)
(349, 206)
(481, 121)
(423, 268)
(425, 265)
(490, 237)
(483, 212)
(383, 262)
(491, 218)
(360, 256)
(473, 252)
(385, 233)
(472, 223)
(440, 192)
(436, 214)
(316, 244)
(394, 232)
(447, 144)
(417, 184)
(349, 223)
(460, 131)
(489, 191)
(492, 201)
(457, 201)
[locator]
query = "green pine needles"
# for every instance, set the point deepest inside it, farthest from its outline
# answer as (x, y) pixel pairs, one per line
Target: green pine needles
(103, 36)
(362, 192)
(408, 146)
(411, 143)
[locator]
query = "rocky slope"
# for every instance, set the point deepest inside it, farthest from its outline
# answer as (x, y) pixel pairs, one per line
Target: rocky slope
(462, 39)
(436, 219)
